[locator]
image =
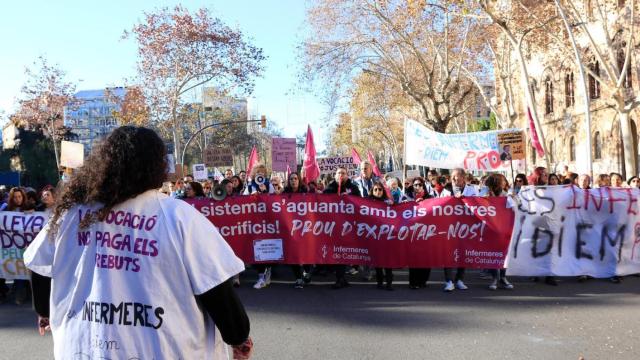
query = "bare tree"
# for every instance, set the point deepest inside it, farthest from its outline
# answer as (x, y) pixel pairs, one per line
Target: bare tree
(43, 98)
(180, 51)
(420, 46)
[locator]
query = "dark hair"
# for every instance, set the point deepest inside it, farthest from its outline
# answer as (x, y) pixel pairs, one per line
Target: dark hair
(32, 196)
(11, 202)
(384, 192)
(555, 176)
(573, 177)
(301, 187)
(494, 184)
(237, 189)
(631, 179)
(197, 188)
(522, 177)
(130, 161)
(49, 188)
(414, 193)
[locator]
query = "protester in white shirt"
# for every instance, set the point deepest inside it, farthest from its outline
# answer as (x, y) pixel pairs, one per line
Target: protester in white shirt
(459, 189)
(136, 274)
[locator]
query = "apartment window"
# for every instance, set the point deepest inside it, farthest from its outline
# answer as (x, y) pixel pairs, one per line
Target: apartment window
(548, 95)
(621, 58)
(589, 9)
(621, 4)
(594, 84)
(569, 98)
(572, 149)
(597, 146)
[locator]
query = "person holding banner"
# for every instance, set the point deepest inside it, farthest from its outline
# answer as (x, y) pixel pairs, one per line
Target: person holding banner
(616, 180)
(439, 187)
(418, 277)
(342, 185)
(539, 177)
(17, 202)
(194, 190)
(378, 193)
(519, 182)
(302, 273)
(460, 189)
(260, 184)
(495, 184)
(366, 179)
(132, 267)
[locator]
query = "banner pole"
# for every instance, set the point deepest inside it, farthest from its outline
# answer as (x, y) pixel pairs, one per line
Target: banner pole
(404, 155)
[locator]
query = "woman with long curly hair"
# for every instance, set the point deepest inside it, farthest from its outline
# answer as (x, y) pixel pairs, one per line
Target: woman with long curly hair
(133, 265)
(15, 202)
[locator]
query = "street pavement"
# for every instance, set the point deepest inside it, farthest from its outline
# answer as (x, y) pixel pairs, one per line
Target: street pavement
(592, 320)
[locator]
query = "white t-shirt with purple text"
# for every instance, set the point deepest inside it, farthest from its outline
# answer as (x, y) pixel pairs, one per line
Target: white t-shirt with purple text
(124, 288)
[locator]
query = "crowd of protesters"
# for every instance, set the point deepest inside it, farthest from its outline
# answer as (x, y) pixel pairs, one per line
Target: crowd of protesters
(391, 190)
(26, 200)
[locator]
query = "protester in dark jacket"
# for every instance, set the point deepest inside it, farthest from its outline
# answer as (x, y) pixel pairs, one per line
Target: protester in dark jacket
(418, 277)
(378, 193)
(342, 185)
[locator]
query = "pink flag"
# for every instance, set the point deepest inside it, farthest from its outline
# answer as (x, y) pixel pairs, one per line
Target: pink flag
(374, 166)
(534, 135)
(355, 156)
(253, 159)
(310, 164)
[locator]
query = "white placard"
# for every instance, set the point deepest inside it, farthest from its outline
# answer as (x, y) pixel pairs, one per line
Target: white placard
(200, 172)
(568, 231)
(329, 165)
(482, 150)
(71, 154)
(268, 250)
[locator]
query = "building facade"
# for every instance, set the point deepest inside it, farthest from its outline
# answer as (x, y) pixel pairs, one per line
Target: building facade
(557, 89)
(91, 116)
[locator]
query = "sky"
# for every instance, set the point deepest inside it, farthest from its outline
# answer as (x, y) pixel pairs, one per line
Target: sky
(84, 39)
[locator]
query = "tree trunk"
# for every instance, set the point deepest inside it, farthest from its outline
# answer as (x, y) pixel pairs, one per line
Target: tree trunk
(585, 89)
(627, 143)
(55, 145)
(529, 101)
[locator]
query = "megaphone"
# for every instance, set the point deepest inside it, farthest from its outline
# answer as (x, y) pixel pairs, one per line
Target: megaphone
(219, 193)
(260, 180)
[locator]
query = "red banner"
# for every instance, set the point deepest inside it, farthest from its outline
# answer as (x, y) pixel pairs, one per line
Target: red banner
(471, 232)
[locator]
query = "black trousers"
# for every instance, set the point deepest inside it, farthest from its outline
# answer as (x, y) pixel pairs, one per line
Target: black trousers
(419, 276)
(298, 270)
(340, 271)
(497, 275)
(385, 274)
(459, 274)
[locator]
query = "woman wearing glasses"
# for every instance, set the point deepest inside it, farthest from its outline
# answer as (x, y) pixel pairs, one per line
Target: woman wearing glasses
(519, 182)
(418, 277)
(379, 194)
